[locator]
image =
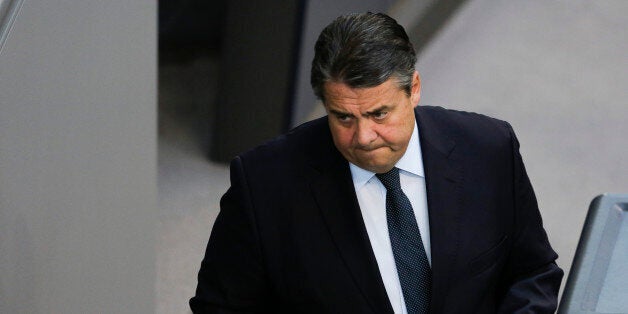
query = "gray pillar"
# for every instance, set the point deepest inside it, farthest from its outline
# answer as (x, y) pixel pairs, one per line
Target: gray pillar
(78, 158)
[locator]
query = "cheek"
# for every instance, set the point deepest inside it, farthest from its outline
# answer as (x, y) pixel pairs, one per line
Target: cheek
(395, 135)
(343, 137)
(388, 134)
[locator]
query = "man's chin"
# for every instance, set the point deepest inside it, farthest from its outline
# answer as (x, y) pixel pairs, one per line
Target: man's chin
(377, 166)
(380, 168)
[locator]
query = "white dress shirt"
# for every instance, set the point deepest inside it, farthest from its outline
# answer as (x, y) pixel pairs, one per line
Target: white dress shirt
(371, 195)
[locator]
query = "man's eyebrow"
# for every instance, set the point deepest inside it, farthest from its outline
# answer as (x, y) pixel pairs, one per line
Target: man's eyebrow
(340, 113)
(368, 113)
(378, 110)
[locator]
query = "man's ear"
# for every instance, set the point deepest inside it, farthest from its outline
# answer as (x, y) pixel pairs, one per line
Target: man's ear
(415, 91)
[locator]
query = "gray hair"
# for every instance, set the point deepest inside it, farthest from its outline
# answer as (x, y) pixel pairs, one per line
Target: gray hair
(362, 50)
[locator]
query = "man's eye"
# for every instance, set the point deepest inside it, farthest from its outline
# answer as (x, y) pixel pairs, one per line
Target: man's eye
(344, 118)
(380, 115)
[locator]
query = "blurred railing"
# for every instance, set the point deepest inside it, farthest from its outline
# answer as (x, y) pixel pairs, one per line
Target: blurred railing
(599, 274)
(8, 12)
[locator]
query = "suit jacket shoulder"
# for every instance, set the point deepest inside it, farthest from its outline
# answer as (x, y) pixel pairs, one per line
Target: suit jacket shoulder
(308, 144)
(466, 126)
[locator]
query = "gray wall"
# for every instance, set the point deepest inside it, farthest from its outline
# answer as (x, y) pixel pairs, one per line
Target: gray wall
(78, 158)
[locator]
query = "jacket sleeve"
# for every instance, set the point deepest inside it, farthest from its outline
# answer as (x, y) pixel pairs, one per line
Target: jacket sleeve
(231, 278)
(531, 278)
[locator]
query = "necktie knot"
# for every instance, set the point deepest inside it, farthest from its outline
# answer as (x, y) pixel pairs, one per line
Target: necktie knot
(390, 179)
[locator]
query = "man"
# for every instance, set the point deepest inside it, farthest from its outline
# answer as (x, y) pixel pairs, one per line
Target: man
(383, 206)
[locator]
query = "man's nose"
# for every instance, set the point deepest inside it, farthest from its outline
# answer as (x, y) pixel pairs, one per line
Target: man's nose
(365, 134)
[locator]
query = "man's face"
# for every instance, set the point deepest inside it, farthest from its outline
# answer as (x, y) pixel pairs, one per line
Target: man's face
(372, 126)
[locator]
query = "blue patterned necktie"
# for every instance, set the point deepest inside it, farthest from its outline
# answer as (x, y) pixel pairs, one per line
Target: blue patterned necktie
(413, 268)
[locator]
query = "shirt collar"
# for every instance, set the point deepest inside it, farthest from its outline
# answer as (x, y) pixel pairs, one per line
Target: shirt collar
(411, 161)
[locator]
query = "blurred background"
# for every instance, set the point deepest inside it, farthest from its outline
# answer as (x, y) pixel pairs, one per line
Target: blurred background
(117, 120)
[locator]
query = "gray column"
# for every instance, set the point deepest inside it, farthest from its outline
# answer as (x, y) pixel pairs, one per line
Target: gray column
(78, 158)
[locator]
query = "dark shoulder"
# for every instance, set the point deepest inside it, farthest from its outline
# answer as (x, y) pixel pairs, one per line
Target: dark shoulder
(305, 142)
(468, 126)
(462, 119)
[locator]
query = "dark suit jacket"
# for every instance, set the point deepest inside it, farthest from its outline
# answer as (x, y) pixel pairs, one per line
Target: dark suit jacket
(290, 236)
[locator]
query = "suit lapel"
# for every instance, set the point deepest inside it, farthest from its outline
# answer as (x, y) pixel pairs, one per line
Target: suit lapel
(443, 178)
(335, 195)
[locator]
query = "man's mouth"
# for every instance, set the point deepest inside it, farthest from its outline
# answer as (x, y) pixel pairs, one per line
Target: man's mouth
(369, 149)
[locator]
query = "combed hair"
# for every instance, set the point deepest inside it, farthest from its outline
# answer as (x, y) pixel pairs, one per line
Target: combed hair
(362, 50)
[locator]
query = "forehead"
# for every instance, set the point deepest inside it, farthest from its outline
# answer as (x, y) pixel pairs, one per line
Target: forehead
(338, 94)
